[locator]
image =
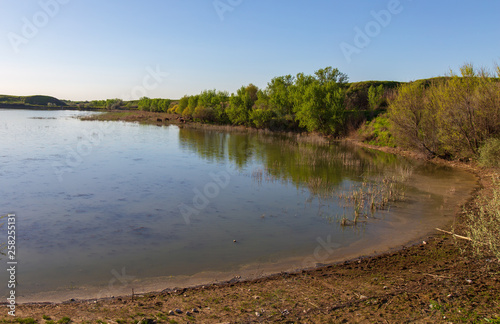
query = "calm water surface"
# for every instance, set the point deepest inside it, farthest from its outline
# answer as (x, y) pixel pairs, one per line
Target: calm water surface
(104, 206)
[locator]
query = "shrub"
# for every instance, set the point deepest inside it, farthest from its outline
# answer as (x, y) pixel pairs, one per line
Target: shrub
(484, 223)
(204, 114)
(412, 119)
(186, 112)
(377, 132)
(451, 117)
(489, 153)
(261, 118)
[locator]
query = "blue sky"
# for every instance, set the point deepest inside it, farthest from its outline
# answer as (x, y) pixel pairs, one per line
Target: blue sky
(89, 49)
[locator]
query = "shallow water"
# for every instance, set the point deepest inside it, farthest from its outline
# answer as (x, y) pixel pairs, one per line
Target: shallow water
(105, 206)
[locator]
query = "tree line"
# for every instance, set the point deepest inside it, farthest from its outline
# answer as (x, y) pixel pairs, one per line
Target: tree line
(321, 102)
(455, 116)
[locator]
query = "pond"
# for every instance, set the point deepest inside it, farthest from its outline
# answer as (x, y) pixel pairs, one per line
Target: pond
(104, 208)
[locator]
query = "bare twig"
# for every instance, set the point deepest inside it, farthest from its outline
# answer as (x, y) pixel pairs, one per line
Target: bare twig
(455, 235)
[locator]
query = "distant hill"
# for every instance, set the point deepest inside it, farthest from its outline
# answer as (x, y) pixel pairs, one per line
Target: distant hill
(30, 101)
(43, 101)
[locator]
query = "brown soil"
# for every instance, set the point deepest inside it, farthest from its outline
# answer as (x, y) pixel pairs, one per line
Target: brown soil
(437, 281)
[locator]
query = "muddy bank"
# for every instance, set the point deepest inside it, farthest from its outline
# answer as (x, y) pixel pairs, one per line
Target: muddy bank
(431, 282)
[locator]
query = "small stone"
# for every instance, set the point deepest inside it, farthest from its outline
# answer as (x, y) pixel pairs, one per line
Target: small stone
(424, 242)
(189, 314)
(171, 313)
(234, 241)
(385, 287)
(178, 311)
(285, 312)
(469, 281)
(195, 310)
(256, 297)
(257, 314)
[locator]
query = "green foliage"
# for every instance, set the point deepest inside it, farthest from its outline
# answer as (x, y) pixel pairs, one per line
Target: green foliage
(64, 320)
(319, 101)
(377, 132)
(261, 118)
(279, 95)
(375, 96)
(11, 99)
(106, 104)
(240, 105)
(183, 103)
(205, 114)
(489, 153)
(154, 105)
(413, 122)
(28, 320)
(357, 93)
(450, 118)
(192, 104)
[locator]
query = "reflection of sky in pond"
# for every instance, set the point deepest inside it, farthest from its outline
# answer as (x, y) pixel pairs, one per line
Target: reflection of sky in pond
(91, 197)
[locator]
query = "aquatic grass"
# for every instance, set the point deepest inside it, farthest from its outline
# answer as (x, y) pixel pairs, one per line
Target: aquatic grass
(373, 195)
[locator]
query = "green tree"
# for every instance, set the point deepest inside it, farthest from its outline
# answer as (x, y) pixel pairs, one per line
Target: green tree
(240, 105)
(319, 101)
(280, 96)
(183, 103)
(144, 103)
(413, 120)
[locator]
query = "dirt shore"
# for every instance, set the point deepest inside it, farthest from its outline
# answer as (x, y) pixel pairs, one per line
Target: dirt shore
(436, 281)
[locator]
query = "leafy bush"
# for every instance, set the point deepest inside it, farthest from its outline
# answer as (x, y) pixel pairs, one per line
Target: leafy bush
(186, 112)
(450, 118)
(377, 132)
(261, 117)
(489, 153)
(204, 114)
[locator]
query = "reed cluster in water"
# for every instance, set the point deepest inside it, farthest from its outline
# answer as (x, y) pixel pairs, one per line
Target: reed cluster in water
(372, 195)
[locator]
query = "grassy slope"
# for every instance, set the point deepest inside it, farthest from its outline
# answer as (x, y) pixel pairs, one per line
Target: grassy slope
(37, 100)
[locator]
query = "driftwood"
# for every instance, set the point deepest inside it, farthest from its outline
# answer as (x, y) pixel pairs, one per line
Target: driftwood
(455, 235)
